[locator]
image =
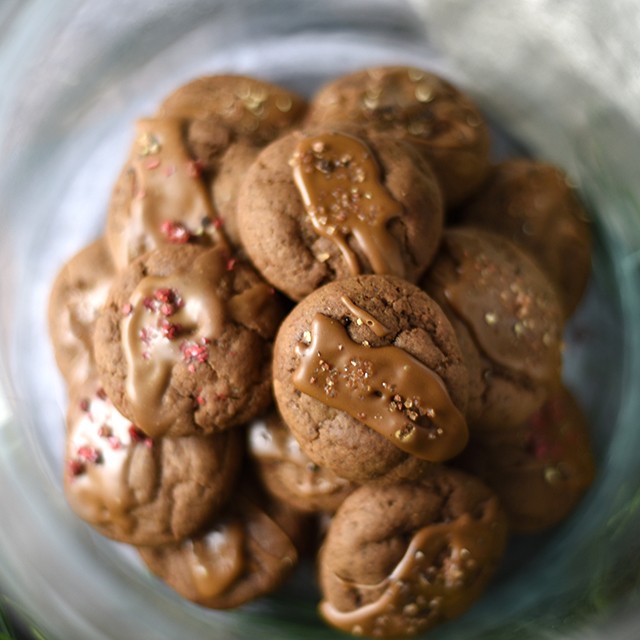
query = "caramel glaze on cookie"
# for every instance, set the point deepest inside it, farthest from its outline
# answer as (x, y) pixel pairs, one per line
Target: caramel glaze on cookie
(369, 377)
(508, 319)
(401, 558)
(140, 490)
(541, 469)
(183, 345)
(533, 204)
(77, 296)
(247, 552)
(439, 121)
(337, 204)
(288, 473)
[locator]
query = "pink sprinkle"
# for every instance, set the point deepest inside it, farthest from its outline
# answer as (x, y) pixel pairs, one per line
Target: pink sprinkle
(115, 442)
(153, 164)
(89, 454)
(194, 168)
(175, 232)
(199, 400)
(140, 194)
(169, 330)
(84, 405)
(76, 467)
(127, 309)
(195, 352)
(231, 263)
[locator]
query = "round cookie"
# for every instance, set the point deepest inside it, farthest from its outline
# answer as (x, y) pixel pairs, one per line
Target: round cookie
(508, 319)
(162, 195)
(139, 490)
(533, 204)
(183, 345)
(246, 108)
(541, 469)
(399, 559)
(417, 106)
(78, 293)
(369, 377)
(245, 553)
(233, 167)
(288, 474)
(336, 205)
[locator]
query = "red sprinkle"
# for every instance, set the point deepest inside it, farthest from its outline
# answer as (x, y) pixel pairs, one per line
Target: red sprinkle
(76, 467)
(175, 232)
(217, 223)
(138, 436)
(84, 405)
(194, 168)
(89, 454)
(169, 330)
(194, 352)
(231, 263)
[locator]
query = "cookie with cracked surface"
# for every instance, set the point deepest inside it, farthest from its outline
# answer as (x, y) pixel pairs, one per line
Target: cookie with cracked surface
(247, 552)
(508, 319)
(540, 470)
(337, 204)
(78, 293)
(247, 109)
(401, 558)
(534, 205)
(140, 490)
(183, 345)
(425, 110)
(369, 377)
(288, 473)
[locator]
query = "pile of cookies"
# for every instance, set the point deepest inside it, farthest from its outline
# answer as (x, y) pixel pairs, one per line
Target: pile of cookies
(331, 328)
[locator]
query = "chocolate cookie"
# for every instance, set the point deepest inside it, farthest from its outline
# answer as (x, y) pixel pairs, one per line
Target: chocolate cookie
(399, 559)
(369, 377)
(541, 469)
(139, 490)
(245, 108)
(162, 196)
(77, 295)
(246, 553)
(508, 319)
(183, 345)
(425, 110)
(225, 186)
(336, 205)
(289, 474)
(533, 204)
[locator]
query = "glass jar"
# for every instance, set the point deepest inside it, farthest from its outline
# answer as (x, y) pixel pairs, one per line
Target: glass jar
(76, 74)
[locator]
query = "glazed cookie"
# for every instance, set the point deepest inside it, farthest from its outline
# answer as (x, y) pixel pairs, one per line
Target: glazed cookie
(246, 553)
(162, 195)
(508, 319)
(336, 205)
(399, 559)
(369, 377)
(289, 474)
(183, 345)
(139, 490)
(540, 470)
(78, 293)
(245, 108)
(533, 204)
(425, 110)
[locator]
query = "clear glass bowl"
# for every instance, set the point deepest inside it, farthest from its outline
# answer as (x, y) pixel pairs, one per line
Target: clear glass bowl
(75, 74)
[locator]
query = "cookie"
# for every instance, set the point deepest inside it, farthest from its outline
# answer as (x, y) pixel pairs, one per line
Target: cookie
(508, 319)
(140, 490)
(399, 559)
(369, 377)
(78, 293)
(248, 109)
(541, 470)
(337, 205)
(183, 345)
(533, 204)
(289, 474)
(162, 195)
(233, 167)
(246, 553)
(419, 107)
